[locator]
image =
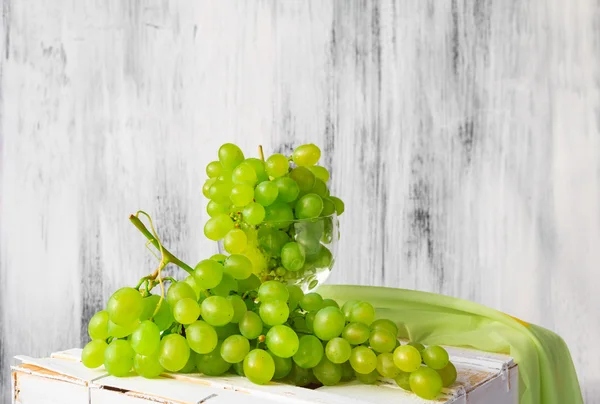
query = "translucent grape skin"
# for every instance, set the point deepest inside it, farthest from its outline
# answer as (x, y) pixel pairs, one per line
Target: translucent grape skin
(273, 290)
(295, 295)
(145, 340)
(251, 326)
(338, 350)
(117, 331)
(259, 366)
(178, 291)
(244, 173)
(320, 172)
(293, 256)
(279, 215)
(347, 308)
(385, 324)
(254, 213)
(235, 348)
(266, 193)
(208, 273)
(242, 194)
(174, 352)
(420, 347)
(226, 286)
(339, 205)
(217, 310)
(214, 169)
(218, 226)
(362, 312)
(274, 312)
(309, 206)
(212, 363)
(282, 341)
(382, 341)
(287, 188)
(259, 168)
(239, 308)
(98, 325)
(403, 380)
(147, 366)
(118, 358)
(425, 383)
(435, 357)
(311, 302)
(356, 333)
(448, 374)
(310, 352)
(283, 366)
(277, 165)
(230, 156)
(300, 376)
(92, 355)
(186, 311)
(304, 178)
(306, 155)
(329, 323)
(330, 303)
(125, 306)
(201, 337)
(235, 241)
(363, 360)
(367, 378)
(327, 372)
(238, 266)
(407, 358)
(386, 366)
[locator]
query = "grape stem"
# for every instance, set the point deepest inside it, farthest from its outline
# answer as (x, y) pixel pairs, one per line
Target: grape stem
(168, 256)
(260, 152)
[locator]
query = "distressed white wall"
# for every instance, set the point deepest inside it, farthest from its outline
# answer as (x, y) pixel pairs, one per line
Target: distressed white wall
(464, 137)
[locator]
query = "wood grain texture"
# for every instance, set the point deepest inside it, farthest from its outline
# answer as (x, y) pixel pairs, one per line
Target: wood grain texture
(463, 136)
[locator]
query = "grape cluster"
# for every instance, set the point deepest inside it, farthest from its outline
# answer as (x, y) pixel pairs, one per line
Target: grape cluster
(217, 320)
(276, 217)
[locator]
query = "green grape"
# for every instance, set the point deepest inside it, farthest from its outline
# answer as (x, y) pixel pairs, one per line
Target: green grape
(329, 323)
(212, 363)
(300, 376)
(347, 372)
(320, 172)
(386, 366)
(146, 338)
(217, 310)
(328, 207)
(324, 259)
(118, 331)
(186, 311)
(258, 260)
(227, 285)
(282, 341)
(435, 357)
(339, 205)
(272, 240)
(420, 347)
(207, 185)
(217, 227)
(362, 312)
(242, 194)
(327, 372)
(293, 256)
(274, 312)
(92, 355)
(331, 303)
(250, 283)
(259, 366)
(227, 330)
(220, 258)
(347, 308)
(277, 165)
(251, 326)
(320, 189)
(235, 348)
(266, 193)
(235, 241)
(214, 169)
(304, 178)
(147, 366)
(191, 280)
(279, 215)
(118, 358)
(338, 350)
(426, 383)
(190, 365)
(164, 317)
(295, 295)
(368, 378)
(448, 374)
(385, 324)
(208, 273)
(403, 380)
(309, 206)
(306, 155)
(220, 191)
(201, 337)
(259, 168)
(310, 352)
(238, 266)
(311, 302)
(239, 308)
(230, 156)
(254, 213)
(363, 360)
(407, 358)
(238, 368)
(309, 319)
(98, 325)
(273, 290)
(356, 333)
(287, 189)
(173, 352)
(244, 174)
(125, 306)
(283, 366)
(382, 341)
(213, 209)
(178, 291)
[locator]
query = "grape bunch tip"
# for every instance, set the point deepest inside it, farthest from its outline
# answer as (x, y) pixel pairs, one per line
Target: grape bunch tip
(251, 312)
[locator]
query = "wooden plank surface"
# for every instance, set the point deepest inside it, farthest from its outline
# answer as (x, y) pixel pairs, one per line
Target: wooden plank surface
(463, 136)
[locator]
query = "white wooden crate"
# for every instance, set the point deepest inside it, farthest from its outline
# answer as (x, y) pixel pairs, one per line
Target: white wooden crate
(62, 379)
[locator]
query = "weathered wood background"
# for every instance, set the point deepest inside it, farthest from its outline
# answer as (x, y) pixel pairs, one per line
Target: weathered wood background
(464, 137)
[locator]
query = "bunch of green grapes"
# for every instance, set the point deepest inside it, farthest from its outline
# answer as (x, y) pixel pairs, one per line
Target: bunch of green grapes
(276, 214)
(220, 320)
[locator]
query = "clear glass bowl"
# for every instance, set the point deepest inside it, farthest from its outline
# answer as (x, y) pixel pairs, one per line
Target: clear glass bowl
(318, 240)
